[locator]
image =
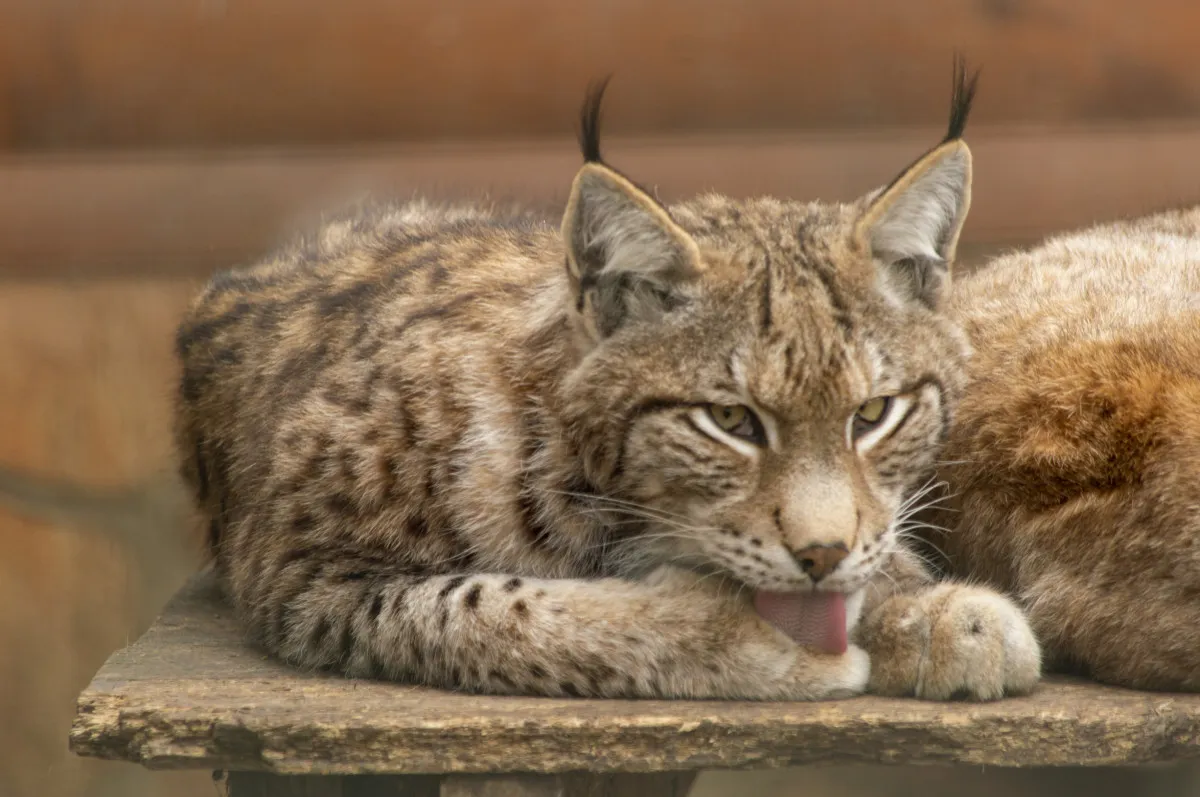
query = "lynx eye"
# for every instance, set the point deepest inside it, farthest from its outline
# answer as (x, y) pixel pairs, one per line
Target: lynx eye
(737, 420)
(871, 413)
(874, 410)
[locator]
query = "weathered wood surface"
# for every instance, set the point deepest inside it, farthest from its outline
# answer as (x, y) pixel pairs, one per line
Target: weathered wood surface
(190, 694)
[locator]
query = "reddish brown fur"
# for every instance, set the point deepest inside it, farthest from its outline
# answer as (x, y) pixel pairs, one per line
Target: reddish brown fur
(1077, 446)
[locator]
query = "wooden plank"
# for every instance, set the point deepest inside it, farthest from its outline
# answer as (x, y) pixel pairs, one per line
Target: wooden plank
(190, 694)
(173, 216)
(216, 73)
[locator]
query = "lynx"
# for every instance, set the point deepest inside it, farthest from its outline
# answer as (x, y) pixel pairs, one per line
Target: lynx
(649, 452)
(1074, 460)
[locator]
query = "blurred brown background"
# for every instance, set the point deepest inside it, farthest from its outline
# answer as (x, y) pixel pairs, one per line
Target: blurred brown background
(144, 143)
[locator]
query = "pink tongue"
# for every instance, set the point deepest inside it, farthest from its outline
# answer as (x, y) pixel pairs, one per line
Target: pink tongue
(813, 619)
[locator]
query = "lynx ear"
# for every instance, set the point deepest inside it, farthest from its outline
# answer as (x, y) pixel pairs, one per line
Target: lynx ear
(626, 257)
(912, 226)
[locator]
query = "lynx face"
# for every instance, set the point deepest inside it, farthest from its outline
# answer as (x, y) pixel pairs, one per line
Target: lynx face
(766, 381)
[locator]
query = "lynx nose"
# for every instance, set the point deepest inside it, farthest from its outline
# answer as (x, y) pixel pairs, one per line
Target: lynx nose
(819, 561)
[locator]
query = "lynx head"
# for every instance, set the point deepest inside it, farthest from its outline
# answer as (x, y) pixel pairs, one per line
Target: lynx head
(767, 380)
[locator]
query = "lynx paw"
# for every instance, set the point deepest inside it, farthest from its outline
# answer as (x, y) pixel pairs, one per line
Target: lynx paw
(952, 641)
(852, 677)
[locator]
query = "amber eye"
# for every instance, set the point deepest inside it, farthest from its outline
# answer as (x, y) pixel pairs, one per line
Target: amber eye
(871, 413)
(737, 420)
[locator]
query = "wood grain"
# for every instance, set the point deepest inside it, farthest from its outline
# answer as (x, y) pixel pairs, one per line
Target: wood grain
(190, 694)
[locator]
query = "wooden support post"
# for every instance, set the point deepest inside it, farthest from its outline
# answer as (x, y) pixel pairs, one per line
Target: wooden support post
(261, 784)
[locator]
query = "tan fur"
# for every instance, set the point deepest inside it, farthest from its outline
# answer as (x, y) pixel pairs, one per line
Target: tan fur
(468, 448)
(1075, 456)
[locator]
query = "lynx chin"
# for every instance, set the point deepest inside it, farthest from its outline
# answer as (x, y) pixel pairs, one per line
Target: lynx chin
(644, 451)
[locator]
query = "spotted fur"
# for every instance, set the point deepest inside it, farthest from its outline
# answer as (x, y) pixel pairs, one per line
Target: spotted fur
(465, 447)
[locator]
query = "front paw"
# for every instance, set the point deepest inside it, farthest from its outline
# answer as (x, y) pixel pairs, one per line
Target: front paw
(952, 641)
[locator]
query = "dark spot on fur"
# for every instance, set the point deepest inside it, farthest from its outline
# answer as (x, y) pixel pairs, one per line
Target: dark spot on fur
(376, 606)
(299, 374)
(453, 583)
(512, 585)
(536, 671)
(194, 380)
(369, 349)
(317, 637)
(192, 333)
(351, 298)
(570, 689)
(499, 677)
(431, 313)
(347, 460)
(341, 505)
(471, 599)
(303, 522)
(764, 320)
(520, 608)
(837, 302)
(417, 527)
(597, 674)
(228, 356)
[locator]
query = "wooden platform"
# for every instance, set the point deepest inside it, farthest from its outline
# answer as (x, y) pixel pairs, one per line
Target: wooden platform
(190, 694)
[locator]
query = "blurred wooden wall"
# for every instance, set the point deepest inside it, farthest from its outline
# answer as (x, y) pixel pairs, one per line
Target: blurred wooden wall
(144, 143)
(135, 74)
(160, 137)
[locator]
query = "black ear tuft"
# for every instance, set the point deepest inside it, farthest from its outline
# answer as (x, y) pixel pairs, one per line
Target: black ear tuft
(589, 121)
(960, 102)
